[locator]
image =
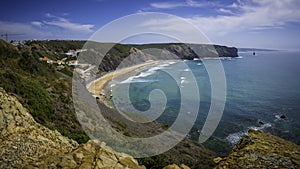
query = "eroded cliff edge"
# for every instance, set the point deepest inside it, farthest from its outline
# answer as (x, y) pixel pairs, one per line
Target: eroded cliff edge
(27, 144)
(261, 150)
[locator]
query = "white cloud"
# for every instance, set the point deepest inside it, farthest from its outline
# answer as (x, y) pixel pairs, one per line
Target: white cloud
(172, 4)
(234, 5)
(167, 5)
(165, 24)
(256, 14)
(252, 15)
(226, 11)
(49, 15)
(66, 24)
(37, 23)
(54, 28)
(170, 28)
(248, 17)
(27, 30)
(193, 3)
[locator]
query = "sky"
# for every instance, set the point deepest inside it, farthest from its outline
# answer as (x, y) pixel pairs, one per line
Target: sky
(272, 24)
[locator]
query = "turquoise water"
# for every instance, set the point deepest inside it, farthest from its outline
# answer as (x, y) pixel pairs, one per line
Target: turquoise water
(259, 89)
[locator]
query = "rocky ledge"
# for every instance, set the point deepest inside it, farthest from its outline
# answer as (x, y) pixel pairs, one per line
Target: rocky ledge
(261, 150)
(27, 144)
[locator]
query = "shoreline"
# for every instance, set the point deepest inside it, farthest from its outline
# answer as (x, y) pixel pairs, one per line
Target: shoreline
(96, 86)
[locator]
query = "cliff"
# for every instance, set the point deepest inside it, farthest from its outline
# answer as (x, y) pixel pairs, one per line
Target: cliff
(261, 150)
(188, 51)
(27, 144)
(140, 53)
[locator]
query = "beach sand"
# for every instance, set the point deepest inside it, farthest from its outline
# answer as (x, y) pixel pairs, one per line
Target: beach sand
(96, 86)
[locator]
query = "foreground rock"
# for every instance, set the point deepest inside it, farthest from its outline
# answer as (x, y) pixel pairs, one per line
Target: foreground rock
(27, 144)
(174, 166)
(261, 150)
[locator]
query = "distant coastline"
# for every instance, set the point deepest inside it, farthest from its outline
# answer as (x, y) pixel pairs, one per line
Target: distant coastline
(256, 50)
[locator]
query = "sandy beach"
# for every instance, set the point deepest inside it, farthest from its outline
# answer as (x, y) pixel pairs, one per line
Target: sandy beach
(96, 86)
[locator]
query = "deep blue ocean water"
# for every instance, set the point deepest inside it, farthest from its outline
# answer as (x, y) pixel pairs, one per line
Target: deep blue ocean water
(260, 88)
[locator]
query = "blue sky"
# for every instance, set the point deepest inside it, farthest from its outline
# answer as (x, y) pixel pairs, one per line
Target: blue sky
(271, 24)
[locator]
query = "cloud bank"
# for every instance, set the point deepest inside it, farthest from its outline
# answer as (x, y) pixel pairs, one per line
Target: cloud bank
(240, 17)
(49, 28)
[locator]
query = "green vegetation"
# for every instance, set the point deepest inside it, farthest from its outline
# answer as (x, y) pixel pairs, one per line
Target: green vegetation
(127, 134)
(119, 123)
(54, 49)
(158, 161)
(165, 126)
(39, 87)
(34, 97)
(217, 144)
(68, 70)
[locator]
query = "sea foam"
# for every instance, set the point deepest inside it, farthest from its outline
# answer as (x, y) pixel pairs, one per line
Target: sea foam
(149, 72)
(234, 138)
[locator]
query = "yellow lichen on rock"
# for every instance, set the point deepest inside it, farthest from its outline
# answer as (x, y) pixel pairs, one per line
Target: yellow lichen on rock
(27, 144)
(217, 160)
(174, 166)
(261, 150)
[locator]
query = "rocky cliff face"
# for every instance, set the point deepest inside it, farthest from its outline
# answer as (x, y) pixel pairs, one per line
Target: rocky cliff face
(135, 54)
(192, 51)
(27, 144)
(261, 150)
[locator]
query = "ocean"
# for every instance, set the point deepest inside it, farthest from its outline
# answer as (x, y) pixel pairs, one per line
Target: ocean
(263, 93)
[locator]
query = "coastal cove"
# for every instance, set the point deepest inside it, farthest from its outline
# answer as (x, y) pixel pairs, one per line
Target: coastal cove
(183, 84)
(37, 113)
(255, 97)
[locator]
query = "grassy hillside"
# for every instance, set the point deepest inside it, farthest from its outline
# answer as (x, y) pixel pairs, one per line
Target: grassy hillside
(40, 88)
(54, 49)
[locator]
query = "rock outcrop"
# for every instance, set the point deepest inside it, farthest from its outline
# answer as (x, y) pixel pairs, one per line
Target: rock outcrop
(174, 166)
(261, 150)
(27, 144)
